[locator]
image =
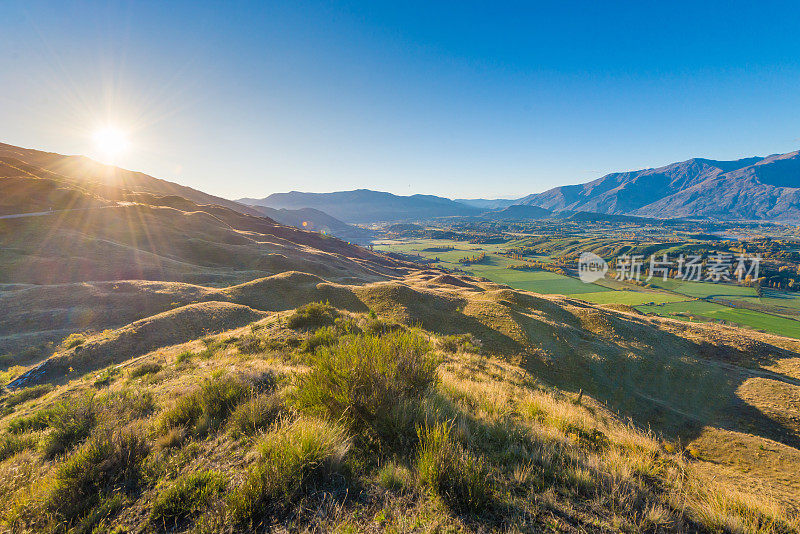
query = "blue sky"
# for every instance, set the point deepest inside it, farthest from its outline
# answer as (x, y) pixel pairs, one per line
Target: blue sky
(461, 99)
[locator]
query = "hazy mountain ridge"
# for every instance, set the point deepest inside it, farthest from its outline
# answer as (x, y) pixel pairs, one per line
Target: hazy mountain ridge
(318, 221)
(367, 206)
(746, 189)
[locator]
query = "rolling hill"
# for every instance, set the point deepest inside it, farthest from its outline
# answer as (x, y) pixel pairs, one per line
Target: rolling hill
(175, 366)
(748, 189)
(366, 206)
(91, 177)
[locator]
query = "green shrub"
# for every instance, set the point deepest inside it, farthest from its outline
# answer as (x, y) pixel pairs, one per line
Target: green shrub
(322, 337)
(145, 369)
(312, 315)
(290, 457)
(393, 476)
(30, 423)
(379, 327)
(70, 422)
(26, 394)
(448, 471)
(459, 343)
(105, 378)
(73, 340)
(256, 413)
(186, 498)
(363, 379)
(209, 405)
(184, 356)
(11, 444)
(109, 462)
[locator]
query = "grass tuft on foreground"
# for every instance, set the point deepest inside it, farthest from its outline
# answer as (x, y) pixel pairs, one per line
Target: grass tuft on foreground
(369, 429)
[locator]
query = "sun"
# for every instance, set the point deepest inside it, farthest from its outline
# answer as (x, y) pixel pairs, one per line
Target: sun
(110, 143)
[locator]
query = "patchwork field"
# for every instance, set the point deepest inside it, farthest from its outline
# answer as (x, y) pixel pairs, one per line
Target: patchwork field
(774, 313)
(701, 310)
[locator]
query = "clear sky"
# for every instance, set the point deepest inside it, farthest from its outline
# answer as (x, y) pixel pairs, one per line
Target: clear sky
(461, 99)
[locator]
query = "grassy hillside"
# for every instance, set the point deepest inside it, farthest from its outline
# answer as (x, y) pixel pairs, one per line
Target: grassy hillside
(429, 403)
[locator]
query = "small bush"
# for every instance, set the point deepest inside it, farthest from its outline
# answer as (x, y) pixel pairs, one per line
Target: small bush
(107, 463)
(459, 343)
(393, 476)
(363, 378)
(184, 356)
(379, 327)
(312, 315)
(186, 498)
(208, 406)
(257, 413)
(70, 422)
(459, 478)
(290, 457)
(11, 444)
(145, 369)
(73, 340)
(30, 423)
(172, 438)
(322, 337)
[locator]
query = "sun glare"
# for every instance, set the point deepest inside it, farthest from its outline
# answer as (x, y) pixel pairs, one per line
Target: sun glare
(110, 143)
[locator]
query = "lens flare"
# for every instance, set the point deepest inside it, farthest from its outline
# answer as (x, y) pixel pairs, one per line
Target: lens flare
(110, 143)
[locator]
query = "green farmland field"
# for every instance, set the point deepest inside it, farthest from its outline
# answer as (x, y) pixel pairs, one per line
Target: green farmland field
(632, 298)
(701, 310)
(670, 298)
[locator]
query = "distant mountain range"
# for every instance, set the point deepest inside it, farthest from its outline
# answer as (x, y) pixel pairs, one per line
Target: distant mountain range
(317, 221)
(366, 206)
(756, 188)
(487, 203)
(747, 189)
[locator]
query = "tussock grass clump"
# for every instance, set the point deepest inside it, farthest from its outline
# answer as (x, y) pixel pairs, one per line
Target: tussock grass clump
(11, 444)
(184, 356)
(444, 468)
(145, 369)
(73, 340)
(256, 413)
(321, 337)
(312, 315)
(26, 394)
(250, 344)
(394, 476)
(127, 404)
(208, 406)
(377, 326)
(187, 497)
(459, 343)
(109, 462)
(68, 423)
(362, 380)
(291, 456)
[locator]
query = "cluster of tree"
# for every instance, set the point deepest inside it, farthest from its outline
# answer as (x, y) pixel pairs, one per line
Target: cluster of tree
(529, 265)
(469, 260)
